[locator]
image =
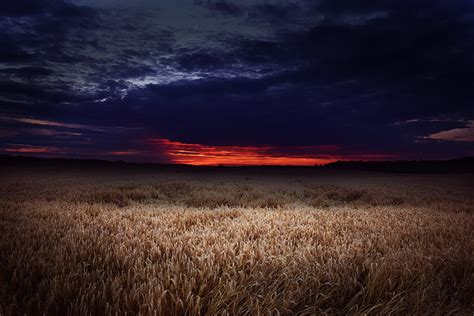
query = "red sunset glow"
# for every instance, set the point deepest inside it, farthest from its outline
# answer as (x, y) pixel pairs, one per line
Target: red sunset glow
(205, 155)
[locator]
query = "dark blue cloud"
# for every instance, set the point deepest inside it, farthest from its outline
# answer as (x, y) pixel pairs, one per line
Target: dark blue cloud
(27, 7)
(224, 7)
(277, 73)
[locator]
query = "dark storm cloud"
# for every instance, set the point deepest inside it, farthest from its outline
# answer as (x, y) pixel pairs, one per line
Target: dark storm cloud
(353, 78)
(409, 7)
(28, 71)
(36, 8)
(57, 50)
(278, 73)
(27, 7)
(422, 56)
(224, 7)
(255, 111)
(279, 10)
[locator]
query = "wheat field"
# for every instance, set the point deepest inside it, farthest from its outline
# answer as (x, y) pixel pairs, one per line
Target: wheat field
(223, 242)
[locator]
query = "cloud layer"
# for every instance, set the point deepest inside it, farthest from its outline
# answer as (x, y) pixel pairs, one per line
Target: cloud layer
(388, 78)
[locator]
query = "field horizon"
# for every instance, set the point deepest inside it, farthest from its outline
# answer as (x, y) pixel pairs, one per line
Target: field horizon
(452, 165)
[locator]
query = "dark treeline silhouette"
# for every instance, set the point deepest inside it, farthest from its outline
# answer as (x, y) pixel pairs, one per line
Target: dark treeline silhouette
(407, 166)
(462, 165)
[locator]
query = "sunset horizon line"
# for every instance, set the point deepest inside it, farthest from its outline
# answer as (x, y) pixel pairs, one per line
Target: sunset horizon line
(128, 162)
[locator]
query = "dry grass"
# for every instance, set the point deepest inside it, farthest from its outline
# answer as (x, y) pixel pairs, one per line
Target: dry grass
(177, 244)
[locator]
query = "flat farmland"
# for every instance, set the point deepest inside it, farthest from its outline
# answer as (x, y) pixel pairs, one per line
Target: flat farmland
(207, 241)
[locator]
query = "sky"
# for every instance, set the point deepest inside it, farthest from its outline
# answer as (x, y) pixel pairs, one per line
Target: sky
(249, 82)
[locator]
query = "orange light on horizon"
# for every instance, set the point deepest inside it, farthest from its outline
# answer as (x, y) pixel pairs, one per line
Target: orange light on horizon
(125, 153)
(206, 155)
(27, 149)
(176, 152)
